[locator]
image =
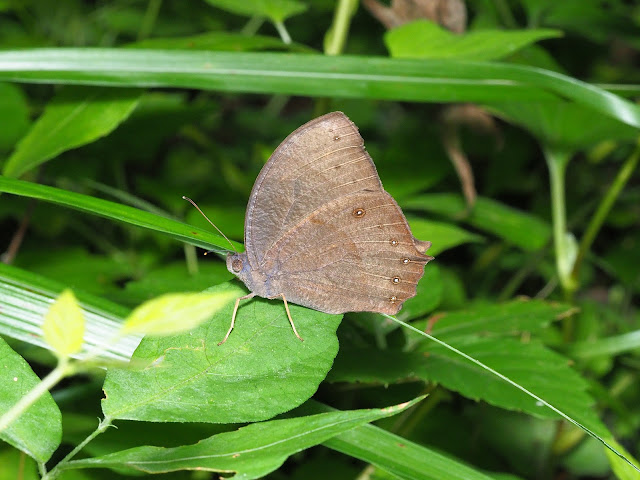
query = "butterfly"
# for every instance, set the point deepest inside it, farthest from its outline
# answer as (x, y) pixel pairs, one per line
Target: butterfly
(321, 232)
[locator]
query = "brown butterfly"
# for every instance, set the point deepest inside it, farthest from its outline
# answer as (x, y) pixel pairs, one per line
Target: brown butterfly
(320, 231)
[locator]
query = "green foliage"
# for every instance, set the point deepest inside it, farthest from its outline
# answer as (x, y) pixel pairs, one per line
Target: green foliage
(38, 430)
(75, 117)
(252, 451)
(184, 369)
(112, 111)
(63, 325)
(424, 39)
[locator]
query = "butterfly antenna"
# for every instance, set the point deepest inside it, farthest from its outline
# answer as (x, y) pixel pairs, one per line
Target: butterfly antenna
(212, 224)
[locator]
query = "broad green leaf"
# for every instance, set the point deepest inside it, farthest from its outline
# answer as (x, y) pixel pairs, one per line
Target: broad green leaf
(442, 236)
(262, 369)
(14, 112)
(275, 10)
(37, 432)
(529, 364)
(428, 295)
(25, 299)
(372, 365)
(63, 325)
(176, 312)
(344, 76)
(563, 124)
(387, 366)
(75, 117)
(396, 454)
(250, 452)
(514, 226)
(224, 41)
(515, 317)
(425, 39)
(115, 211)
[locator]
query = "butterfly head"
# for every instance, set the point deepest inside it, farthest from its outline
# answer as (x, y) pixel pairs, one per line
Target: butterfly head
(237, 262)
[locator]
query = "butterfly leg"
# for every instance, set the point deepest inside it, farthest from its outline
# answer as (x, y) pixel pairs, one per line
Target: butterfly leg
(286, 307)
(233, 316)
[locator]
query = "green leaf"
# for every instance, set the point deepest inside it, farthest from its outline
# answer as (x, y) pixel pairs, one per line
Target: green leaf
(622, 469)
(515, 317)
(172, 378)
(428, 295)
(116, 211)
(25, 299)
(514, 226)
(14, 112)
(442, 236)
(563, 124)
(372, 365)
(387, 366)
(275, 10)
(38, 431)
(176, 312)
(609, 346)
(397, 455)
(425, 39)
(250, 452)
(75, 117)
(529, 364)
(63, 325)
(223, 41)
(344, 76)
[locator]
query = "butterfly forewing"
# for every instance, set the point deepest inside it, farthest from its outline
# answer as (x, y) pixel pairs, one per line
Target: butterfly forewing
(318, 163)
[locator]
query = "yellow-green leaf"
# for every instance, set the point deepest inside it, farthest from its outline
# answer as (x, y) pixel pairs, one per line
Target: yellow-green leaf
(176, 312)
(63, 325)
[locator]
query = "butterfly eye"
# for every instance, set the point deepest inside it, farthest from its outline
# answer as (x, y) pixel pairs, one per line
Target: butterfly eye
(236, 265)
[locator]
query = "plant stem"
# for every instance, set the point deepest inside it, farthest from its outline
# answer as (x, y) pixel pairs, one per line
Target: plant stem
(337, 34)
(603, 210)
(149, 19)
(58, 373)
(282, 31)
(102, 426)
(252, 26)
(557, 160)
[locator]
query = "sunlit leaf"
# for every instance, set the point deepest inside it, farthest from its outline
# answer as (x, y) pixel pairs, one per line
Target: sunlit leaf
(63, 325)
(176, 312)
